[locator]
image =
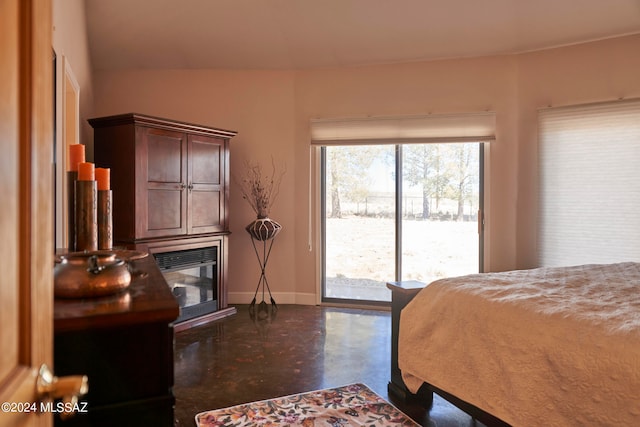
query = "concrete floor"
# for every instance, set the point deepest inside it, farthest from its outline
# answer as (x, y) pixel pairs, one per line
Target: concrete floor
(236, 360)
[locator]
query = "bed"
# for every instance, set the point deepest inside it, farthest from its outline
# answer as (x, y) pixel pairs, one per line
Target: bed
(548, 346)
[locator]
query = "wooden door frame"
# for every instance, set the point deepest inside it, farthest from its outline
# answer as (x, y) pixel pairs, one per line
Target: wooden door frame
(27, 130)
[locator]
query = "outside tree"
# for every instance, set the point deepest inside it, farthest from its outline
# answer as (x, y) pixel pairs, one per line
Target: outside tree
(349, 169)
(441, 171)
(464, 174)
(423, 166)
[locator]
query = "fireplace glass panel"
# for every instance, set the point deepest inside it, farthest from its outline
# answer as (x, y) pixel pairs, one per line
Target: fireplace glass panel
(193, 278)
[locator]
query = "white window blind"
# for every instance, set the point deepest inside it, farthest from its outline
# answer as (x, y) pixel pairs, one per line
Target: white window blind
(589, 189)
(471, 127)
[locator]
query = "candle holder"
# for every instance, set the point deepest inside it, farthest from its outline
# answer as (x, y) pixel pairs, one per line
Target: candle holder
(86, 221)
(105, 220)
(72, 177)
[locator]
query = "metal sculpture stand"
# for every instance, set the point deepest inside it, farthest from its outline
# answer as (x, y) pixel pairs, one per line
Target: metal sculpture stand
(263, 258)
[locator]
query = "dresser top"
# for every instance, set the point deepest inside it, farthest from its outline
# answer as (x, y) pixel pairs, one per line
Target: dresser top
(147, 300)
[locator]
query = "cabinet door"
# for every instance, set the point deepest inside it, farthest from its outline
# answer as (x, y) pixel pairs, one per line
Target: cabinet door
(162, 183)
(206, 184)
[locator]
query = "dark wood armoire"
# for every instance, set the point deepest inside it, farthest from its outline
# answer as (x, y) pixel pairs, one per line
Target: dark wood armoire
(170, 185)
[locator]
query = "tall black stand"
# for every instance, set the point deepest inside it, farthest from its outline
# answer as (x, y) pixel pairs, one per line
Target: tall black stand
(263, 230)
(263, 258)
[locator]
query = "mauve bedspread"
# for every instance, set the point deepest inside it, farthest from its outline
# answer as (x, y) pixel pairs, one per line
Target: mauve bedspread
(548, 346)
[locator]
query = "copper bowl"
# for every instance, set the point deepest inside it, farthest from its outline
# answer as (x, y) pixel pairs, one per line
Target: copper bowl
(90, 274)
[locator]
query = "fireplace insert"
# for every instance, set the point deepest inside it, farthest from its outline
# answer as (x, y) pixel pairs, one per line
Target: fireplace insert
(192, 275)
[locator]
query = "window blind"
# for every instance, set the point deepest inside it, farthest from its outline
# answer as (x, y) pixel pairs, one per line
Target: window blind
(472, 127)
(589, 188)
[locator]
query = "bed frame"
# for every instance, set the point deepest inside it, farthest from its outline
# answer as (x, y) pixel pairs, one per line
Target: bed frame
(401, 294)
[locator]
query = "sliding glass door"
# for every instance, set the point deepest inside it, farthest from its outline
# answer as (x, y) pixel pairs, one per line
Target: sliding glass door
(359, 222)
(398, 212)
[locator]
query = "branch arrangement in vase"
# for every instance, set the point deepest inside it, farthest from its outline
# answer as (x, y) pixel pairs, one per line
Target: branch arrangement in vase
(260, 189)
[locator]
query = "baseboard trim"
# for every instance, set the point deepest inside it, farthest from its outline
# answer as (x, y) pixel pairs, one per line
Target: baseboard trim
(237, 298)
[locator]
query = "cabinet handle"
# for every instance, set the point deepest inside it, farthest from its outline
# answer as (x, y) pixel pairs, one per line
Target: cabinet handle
(190, 186)
(182, 186)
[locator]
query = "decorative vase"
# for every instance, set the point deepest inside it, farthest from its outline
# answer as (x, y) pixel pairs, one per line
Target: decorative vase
(263, 229)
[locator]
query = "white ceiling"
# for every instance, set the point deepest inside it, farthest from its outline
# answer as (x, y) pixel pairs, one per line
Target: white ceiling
(294, 34)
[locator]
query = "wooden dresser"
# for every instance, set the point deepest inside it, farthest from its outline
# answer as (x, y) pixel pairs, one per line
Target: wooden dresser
(124, 344)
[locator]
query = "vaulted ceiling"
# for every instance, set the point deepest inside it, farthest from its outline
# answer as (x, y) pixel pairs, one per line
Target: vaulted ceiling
(296, 34)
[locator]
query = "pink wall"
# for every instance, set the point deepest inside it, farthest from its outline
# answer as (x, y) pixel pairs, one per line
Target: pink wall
(70, 42)
(256, 104)
(271, 111)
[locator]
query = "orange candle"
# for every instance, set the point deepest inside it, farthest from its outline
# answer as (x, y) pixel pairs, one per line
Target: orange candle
(76, 155)
(86, 171)
(103, 178)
